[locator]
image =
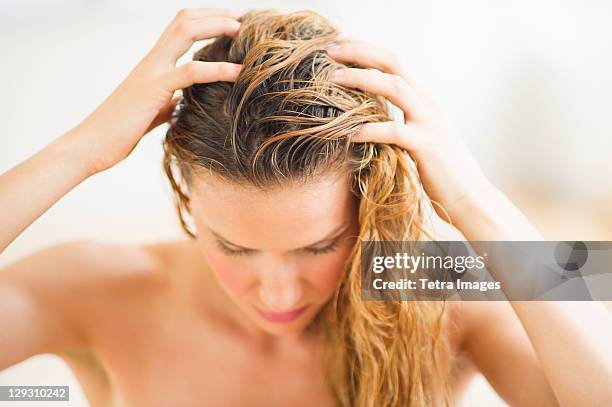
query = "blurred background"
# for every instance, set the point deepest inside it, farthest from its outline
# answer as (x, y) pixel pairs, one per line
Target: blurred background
(526, 83)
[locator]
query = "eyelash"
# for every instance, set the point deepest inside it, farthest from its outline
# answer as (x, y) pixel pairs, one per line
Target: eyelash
(241, 252)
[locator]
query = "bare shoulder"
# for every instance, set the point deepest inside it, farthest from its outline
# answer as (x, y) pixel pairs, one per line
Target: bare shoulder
(77, 267)
(50, 297)
(71, 276)
(175, 253)
(494, 341)
(479, 331)
(474, 323)
(476, 318)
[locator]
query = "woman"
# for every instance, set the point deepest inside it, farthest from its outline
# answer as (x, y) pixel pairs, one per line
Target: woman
(281, 163)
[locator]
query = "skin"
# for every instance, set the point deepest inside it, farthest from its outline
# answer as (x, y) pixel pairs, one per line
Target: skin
(297, 241)
(179, 316)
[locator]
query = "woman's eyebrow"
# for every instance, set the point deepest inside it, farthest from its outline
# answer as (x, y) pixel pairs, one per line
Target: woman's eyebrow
(331, 235)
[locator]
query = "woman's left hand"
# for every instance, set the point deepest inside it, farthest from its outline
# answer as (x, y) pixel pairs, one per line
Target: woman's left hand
(450, 175)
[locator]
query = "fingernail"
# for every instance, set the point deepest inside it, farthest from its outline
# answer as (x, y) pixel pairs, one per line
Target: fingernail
(356, 137)
(337, 74)
(237, 68)
(333, 48)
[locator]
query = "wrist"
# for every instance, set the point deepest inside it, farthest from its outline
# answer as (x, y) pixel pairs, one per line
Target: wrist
(488, 215)
(75, 155)
(480, 199)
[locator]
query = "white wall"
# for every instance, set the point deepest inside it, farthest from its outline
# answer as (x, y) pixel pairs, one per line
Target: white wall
(527, 83)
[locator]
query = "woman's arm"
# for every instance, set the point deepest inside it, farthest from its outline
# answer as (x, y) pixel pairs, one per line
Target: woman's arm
(140, 103)
(571, 340)
(32, 187)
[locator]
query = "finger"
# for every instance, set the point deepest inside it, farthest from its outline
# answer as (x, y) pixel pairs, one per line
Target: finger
(188, 14)
(165, 114)
(372, 56)
(368, 55)
(182, 34)
(391, 132)
(390, 86)
(197, 13)
(201, 72)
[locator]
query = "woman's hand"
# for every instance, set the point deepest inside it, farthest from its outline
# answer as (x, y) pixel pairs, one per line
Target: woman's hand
(450, 175)
(141, 102)
(145, 98)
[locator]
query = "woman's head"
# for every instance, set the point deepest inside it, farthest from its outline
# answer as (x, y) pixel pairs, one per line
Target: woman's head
(266, 164)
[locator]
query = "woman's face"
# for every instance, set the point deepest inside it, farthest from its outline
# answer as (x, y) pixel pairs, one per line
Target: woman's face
(279, 255)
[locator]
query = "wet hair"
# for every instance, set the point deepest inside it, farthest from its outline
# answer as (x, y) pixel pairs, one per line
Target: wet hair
(283, 121)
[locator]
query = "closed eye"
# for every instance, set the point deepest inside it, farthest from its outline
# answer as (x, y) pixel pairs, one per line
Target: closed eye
(328, 249)
(232, 252)
(241, 252)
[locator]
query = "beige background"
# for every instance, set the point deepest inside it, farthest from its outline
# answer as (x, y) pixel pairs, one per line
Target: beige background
(527, 83)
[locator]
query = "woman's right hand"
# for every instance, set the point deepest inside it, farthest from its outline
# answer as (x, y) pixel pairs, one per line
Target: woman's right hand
(108, 135)
(145, 98)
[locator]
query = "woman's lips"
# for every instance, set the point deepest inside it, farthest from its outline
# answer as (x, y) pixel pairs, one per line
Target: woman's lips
(281, 316)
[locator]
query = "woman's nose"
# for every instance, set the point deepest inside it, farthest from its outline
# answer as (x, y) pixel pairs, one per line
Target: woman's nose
(279, 288)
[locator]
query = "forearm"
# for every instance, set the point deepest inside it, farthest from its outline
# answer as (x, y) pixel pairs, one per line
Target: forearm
(30, 188)
(572, 339)
(491, 216)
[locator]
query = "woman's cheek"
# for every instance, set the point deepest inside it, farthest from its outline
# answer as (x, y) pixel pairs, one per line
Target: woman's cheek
(231, 273)
(329, 272)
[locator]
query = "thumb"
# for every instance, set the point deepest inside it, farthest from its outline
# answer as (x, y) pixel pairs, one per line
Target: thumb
(165, 113)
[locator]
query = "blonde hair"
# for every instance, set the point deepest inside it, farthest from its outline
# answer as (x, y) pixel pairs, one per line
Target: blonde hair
(283, 120)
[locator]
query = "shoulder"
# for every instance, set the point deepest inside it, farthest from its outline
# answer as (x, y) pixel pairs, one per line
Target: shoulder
(59, 268)
(73, 280)
(51, 297)
(478, 324)
(70, 276)
(79, 260)
(477, 319)
(169, 254)
(495, 342)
